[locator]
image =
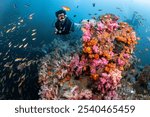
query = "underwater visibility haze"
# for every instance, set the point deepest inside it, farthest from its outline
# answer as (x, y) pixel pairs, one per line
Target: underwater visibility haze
(107, 56)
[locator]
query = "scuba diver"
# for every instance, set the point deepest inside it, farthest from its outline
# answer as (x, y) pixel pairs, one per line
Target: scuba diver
(63, 25)
(135, 21)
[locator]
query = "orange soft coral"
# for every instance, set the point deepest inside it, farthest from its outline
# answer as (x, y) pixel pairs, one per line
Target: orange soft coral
(87, 50)
(93, 41)
(110, 67)
(106, 35)
(106, 54)
(94, 76)
(96, 56)
(122, 39)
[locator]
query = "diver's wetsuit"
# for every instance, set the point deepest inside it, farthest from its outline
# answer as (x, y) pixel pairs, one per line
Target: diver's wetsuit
(63, 27)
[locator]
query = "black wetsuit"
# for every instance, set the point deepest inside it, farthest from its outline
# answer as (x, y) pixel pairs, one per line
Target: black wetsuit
(63, 27)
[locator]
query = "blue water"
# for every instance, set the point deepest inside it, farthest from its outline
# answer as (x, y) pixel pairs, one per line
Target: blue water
(44, 18)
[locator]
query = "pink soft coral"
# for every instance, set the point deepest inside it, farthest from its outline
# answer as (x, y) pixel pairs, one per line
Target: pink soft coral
(100, 26)
(74, 63)
(109, 82)
(121, 62)
(78, 65)
(114, 26)
(93, 70)
(112, 95)
(99, 62)
(116, 76)
(76, 94)
(104, 61)
(86, 36)
(87, 26)
(86, 94)
(127, 56)
(96, 63)
(95, 49)
(48, 92)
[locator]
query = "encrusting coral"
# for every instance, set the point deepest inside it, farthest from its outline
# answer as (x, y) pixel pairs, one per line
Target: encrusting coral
(107, 48)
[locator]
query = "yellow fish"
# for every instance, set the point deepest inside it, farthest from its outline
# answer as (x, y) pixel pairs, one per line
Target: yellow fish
(66, 8)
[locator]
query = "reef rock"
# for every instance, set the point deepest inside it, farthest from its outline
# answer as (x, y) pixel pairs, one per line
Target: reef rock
(143, 82)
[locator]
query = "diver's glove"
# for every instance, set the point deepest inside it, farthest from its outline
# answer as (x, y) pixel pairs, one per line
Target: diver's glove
(56, 31)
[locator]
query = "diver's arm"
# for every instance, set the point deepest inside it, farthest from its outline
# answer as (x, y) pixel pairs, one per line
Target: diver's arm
(56, 31)
(77, 26)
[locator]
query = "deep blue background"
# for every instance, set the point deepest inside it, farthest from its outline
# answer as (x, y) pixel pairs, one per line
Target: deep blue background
(45, 16)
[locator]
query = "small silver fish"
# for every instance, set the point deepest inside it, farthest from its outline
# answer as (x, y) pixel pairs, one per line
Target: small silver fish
(22, 79)
(8, 30)
(146, 49)
(21, 66)
(15, 46)
(33, 30)
(7, 64)
(31, 16)
(19, 17)
(21, 20)
(21, 46)
(10, 74)
(25, 45)
(24, 39)
(18, 59)
(34, 39)
(24, 59)
(9, 45)
(13, 28)
(33, 34)
(139, 60)
(14, 74)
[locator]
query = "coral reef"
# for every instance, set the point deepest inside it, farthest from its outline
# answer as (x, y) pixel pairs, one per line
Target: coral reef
(107, 49)
(137, 90)
(143, 81)
(92, 69)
